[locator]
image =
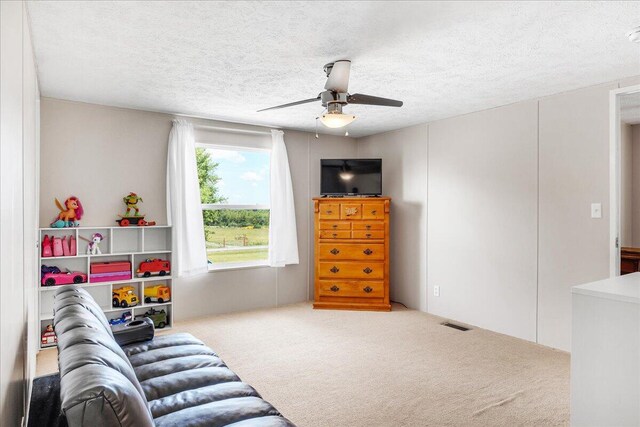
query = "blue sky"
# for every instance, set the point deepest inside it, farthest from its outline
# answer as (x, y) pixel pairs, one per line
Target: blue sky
(245, 175)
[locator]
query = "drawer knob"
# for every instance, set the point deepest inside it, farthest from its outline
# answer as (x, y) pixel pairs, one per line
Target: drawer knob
(368, 270)
(335, 234)
(335, 251)
(373, 212)
(329, 212)
(367, 251)
(368, 227)
(368, 289)
(334, 269)
(368, 235)
(334, 288)
(335, 226)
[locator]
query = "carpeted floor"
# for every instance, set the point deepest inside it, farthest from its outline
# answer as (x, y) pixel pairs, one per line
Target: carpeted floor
(345, 368)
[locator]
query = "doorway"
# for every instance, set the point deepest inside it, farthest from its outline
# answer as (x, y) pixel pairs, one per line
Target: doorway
(625, 181)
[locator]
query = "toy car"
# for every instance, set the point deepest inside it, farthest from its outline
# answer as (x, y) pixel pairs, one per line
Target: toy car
(153, 266)
(158, 293)
(48, 336)
(126, 317)
(52, 276)
(124, 297)
(159, 318)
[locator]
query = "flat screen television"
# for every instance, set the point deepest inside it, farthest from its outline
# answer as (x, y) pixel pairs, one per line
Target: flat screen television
(351, 177)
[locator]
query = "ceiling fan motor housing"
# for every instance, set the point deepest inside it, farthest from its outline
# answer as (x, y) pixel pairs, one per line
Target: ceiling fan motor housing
(329, 97)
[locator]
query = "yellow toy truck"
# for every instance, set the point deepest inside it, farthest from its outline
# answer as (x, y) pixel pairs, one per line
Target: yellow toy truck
(124, 297)
(158, 293)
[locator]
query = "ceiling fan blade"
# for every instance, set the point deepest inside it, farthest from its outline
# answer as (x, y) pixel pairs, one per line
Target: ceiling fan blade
(359, 98)
(338, 80)
(291, 104)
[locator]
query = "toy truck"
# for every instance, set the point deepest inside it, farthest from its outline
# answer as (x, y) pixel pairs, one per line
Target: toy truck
(159, 318)
(124, 297)
(158, 293)
(153, 267)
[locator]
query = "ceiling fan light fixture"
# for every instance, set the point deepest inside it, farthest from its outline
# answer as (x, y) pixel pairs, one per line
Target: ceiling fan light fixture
(336, 120)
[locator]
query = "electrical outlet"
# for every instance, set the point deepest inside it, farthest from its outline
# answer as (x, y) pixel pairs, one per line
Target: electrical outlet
(436, 291)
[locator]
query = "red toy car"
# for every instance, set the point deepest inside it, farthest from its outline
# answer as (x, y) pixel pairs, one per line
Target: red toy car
(153, 266)
(63, 278)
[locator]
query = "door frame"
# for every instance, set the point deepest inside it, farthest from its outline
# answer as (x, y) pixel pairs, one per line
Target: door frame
(615, 175)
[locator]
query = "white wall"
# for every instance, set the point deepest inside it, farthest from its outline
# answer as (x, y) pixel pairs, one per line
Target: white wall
(509, 225)
(574, 172)
(482, 218)
(18, 157)
(113, 151)
(404, 172)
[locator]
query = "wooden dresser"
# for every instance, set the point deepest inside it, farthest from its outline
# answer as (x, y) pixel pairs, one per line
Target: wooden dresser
(352, 253)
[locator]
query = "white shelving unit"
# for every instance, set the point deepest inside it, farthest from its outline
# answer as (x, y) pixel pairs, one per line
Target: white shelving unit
(133, 244)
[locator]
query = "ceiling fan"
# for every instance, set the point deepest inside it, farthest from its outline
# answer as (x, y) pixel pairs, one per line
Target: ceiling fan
(336, 96)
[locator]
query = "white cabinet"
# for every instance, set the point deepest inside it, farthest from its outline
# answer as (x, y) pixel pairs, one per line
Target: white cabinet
(605, 353)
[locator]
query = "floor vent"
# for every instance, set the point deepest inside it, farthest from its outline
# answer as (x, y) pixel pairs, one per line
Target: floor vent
(454, 326)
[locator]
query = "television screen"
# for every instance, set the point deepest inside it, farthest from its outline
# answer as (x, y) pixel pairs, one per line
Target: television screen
(342, 177)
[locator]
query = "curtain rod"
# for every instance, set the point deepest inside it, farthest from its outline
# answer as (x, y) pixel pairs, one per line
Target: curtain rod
(232, 130)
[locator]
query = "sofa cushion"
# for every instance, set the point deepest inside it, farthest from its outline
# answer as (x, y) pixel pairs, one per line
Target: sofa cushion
(220, 413)
(176, 364)
(162, 341)
(200, 396)
(158, 387)
(95, 395)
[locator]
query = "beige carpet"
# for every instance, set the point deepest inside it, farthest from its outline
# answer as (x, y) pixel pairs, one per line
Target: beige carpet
(344, 368)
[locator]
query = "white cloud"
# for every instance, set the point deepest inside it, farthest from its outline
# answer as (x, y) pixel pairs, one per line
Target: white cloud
(227, 155)
(251, 176)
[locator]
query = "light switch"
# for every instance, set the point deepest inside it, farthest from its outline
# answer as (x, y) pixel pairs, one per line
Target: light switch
(596, 210)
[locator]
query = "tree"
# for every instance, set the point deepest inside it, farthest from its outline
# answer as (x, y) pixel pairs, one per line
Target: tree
(207, 178)
(208, 181)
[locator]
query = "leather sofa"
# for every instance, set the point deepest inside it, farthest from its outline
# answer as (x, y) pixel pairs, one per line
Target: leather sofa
(171, 380)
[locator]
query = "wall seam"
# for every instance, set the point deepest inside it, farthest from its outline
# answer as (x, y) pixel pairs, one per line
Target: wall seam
(538, 227)
(426, 225)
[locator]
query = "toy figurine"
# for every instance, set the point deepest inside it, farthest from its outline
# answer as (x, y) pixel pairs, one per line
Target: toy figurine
(132, 201)
(132, 215)
(48, 336)
(70, 214)
(92, 247)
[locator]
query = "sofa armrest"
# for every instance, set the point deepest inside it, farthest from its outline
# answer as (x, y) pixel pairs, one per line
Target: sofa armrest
(139, 330)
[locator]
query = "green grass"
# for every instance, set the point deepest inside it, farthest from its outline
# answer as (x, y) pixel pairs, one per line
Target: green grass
(238, 256)
(233, 237)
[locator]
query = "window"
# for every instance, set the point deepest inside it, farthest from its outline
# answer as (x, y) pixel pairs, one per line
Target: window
(234, 190)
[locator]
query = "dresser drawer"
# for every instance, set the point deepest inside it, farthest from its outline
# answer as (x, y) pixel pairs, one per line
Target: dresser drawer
(329, 211)
(373, 211)
(345, 251)
(351, 270)
(335, 234)
(368, 234)
(336, 288)
(335, 225)
(350, 211)
(363, 225)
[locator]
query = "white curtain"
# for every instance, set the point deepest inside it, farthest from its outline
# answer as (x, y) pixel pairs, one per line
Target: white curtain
(283, 237)
(184, 210)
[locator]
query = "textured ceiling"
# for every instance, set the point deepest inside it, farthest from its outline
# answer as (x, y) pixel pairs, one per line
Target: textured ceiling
(226, 60)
